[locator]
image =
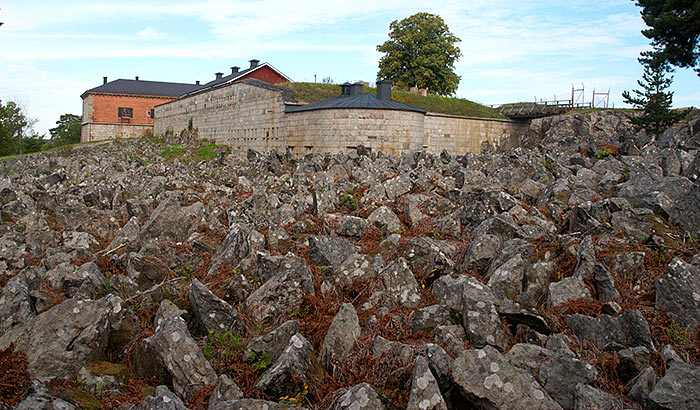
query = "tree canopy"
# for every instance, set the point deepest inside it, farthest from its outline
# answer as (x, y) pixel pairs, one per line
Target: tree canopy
(67, 130)
(13, 124)
(420, 52)
(654, 100)
(674, 31)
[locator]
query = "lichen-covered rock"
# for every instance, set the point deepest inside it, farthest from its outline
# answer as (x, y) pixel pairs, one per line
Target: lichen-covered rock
(488, 381)
(425, 393)
(560, 375)
(329, 251)
(273, 343)
(626, 330)
(164, 399)
(678, 290)
(480, 316)
(341, 336)
(527, 356)
(400, 284)
(103, 377)
(39, 398)
(180, 354)
(297, 369)
(225, 390)
(360, 397)
(213, 313)
(566, 290)
(384, 218)
(588, 397)
(679, 389)
(428, 318)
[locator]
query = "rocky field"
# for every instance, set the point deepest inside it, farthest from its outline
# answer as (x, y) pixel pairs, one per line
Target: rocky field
(564, 274)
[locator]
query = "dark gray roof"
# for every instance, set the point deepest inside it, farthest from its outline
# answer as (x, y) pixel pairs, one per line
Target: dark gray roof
(361, 101)
(233, 76)
(140, 87)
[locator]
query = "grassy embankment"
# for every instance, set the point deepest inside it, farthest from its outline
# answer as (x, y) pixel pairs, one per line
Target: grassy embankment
(312, 92)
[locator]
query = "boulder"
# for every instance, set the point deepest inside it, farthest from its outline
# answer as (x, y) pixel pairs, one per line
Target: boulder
(273, 343)
(630, 329)
(678, 290)
(400, 284)
(425, 393)
(480, 317)
(560, 376)
(679, 389)
(329, 251)
(341, 336)
(215, 315)
(359, 397)
(297, 369)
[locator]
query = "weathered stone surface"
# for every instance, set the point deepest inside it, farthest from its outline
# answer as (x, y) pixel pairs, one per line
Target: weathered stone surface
(238, 243)
(480, 317)
(488, 381)
(678, 290)
(213, 313)
(329, 251)
(588, 397)
(253, 404)
(481, 252)
(627, 330)
(360, 397)
(341, 336)
(296, 367)
(560, 375)
(272, 343)
(384, 218)
(226, 390)
(39, 398)
(428, 318)
(678, 389)
(507, 280)
(352, 226)
(425, 393)
(640, 390)
(400, 284)
(103, 377)
(282, 293)
(164, 399)
(448, 291)
(527, 356)
(566, 290)
(183, 358)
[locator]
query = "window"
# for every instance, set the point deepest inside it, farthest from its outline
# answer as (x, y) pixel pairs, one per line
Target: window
(125, 112)
(151, 113)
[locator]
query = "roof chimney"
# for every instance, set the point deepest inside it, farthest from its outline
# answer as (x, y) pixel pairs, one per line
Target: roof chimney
(356, 89)
(235, 69)
(137, 78)
(254, 63)
(384, 90)
(196, 82)
(104, 80)
(345, 89)
(219, 75)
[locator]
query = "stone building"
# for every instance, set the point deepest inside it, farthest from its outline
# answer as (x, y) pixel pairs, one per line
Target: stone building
(252, 114)
(125, 108)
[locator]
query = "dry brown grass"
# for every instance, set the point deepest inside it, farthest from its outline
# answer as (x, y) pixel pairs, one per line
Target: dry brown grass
(14, 377)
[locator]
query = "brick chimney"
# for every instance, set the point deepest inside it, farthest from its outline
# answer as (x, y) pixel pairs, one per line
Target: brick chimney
(254, 63)
(384, 90)
(219, 75)
(234, 69)
(104, 80)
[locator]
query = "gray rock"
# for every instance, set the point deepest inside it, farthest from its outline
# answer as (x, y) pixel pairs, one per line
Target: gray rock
(507, 280)
(183, 358)
(604, 284)
(215, 315)
(352, 226)
(341, 336)
(283, 293)
(161, 224)
(669, 354)
(640, 390)
(481, 252)
(630, 329)
(480, 317)
(560, 374)
(585, 259)
(678, 290)
(297, 366)
(163, 400)
(527, 356)
(238, 243)
(272, 343)
(253, 404)
(360, 397)
(453, 337)
(448, 291)
(430, 257)
(39, 398)
(428, 318)
(679, 389)
(103, 377)
(225, 390)
(398, 186)
(166, 310)
(588, 397)
(566, 290)
(632, 361)
(488, 381)
(384, 218)
(355, 268)
(425, 393)
(127, 238)
(400, 284)
(329, 251)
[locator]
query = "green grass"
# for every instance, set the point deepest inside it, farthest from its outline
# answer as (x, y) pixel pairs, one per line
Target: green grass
(312, 92)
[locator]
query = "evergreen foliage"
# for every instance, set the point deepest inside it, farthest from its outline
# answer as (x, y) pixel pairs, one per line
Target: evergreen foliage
(67, 130)
(674, 30)
(421, 52)
(654, 100)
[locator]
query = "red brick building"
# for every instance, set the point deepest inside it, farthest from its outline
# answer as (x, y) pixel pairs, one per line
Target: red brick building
(124, 108)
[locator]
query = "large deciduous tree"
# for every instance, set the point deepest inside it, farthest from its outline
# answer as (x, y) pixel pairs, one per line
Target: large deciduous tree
(421, 52)
(674, 30)
(13, 125)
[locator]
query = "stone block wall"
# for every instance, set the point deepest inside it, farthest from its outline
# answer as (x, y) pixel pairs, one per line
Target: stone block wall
(240, 115)
(459, 135)
(338, 130)
(99, 132)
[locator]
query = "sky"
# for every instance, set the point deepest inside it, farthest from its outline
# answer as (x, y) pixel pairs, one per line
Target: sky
(521, 50)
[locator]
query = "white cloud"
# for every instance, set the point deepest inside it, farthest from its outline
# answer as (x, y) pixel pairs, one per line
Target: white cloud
(149, 33)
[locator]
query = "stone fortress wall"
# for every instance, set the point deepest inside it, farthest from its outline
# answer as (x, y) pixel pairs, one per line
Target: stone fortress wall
(251, 115)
